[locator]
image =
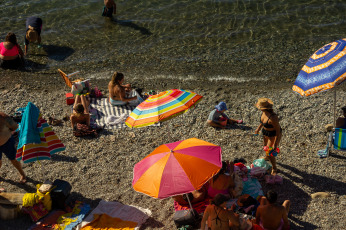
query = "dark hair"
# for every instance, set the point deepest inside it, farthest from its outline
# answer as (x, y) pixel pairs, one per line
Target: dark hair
(344, 109)
(79, 108)
(116, 78)
(223, 170)
(272, 196)
(219, 199)
(11, 37)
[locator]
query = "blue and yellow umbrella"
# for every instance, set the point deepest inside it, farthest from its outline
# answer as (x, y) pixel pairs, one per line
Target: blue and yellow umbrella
(325, 69)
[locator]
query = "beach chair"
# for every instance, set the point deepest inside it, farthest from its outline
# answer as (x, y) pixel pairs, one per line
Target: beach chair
(337, 138)
(78, 86)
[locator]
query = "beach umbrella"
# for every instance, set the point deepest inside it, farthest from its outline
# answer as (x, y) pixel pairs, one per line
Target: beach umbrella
(177, 168)
(37, 140)
(161, 107)
(325, 69)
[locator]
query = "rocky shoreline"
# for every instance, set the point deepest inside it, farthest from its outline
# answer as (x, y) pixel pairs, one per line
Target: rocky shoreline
(101, 168)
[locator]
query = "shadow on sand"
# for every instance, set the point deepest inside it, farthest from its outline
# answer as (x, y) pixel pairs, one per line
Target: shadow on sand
(58, 53)
(299, 198)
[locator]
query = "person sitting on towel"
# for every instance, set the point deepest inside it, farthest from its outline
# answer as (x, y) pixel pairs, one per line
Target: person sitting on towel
(217, 217)
(218, 118)
(117, 91)
(80, 122)
(194, 197)
(221, 183)
(270, 215)
(341, 121)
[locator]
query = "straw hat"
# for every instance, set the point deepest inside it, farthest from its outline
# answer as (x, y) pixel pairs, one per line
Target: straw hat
(264, 103)
(31, 35)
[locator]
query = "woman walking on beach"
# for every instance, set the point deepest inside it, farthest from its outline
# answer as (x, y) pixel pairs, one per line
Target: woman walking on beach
(271, 131)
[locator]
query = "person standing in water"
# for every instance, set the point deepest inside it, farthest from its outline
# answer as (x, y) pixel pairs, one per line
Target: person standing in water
(109, 9)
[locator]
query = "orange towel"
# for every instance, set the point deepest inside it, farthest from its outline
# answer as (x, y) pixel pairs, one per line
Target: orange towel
(106, 222)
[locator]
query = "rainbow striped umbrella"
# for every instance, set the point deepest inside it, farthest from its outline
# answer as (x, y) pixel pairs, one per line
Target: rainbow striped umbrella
(177, 168)
(162, 107)
(325, 69)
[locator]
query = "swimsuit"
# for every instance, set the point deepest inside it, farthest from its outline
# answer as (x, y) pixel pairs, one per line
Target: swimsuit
(115, 102)
(268, 133)
(279, 228)
(34, 22)
(212, 192)
(9, 149)
(8, 52)
(217, 217)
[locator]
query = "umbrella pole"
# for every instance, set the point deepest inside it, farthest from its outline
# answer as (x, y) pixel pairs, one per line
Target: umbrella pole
(188, 200)
(334, 105)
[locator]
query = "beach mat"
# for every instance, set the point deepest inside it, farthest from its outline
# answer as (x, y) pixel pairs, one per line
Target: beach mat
(117, 210)
(101, 109)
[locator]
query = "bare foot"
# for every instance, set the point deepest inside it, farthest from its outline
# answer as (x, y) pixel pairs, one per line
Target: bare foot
(2, 190)
(274, 172)
(22, 180)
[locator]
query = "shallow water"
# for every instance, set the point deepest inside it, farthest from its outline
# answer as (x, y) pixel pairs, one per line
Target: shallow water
(222, 39)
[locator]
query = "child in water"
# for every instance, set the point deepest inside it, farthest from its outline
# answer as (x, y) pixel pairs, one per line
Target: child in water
(109, 9)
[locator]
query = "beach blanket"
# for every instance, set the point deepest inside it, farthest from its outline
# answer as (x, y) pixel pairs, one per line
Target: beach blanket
(103, 221)
(70, 220)
(115, 209)
(49, 222)
(199, 207)
(101, 110)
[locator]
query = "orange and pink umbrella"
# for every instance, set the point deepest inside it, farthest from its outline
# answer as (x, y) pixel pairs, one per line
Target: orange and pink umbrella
(177, 168)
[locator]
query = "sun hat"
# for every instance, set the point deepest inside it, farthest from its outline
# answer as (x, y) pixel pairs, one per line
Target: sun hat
(264, 103)
(31, 35)
(221, 106)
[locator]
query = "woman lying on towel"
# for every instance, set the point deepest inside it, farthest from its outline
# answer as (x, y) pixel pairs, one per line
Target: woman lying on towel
(117, 91)
(80, 122)
(222, 183)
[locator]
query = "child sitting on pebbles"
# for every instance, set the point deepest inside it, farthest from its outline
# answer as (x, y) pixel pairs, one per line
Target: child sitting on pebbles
(217, 117)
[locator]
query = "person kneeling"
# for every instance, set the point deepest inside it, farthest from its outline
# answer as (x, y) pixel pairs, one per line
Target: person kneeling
(218, 118)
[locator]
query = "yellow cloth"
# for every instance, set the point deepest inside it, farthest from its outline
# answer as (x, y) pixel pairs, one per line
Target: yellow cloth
(66, 219)
(106, 222)
(29, 199)
(47, 200)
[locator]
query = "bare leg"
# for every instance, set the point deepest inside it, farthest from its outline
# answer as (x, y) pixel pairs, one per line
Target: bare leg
(287, 205)
(214, 124)
(272, 158)
(85, 103)
(17, 165)
(76, 101)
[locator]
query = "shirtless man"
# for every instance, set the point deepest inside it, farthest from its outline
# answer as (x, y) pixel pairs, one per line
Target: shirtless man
(109, 9)
(7, 143)
(217, 217)
(271, 216)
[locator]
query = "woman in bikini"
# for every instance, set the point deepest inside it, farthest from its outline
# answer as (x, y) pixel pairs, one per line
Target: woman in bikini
(217, 217)
(80, 122)
(117, 91)
(271, 131)
(221, 183)
(11, 55)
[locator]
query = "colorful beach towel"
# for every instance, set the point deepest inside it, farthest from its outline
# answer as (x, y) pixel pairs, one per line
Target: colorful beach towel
(70, 220)
(199, 207)
(252, 187)
(103, 221)
(117, 210)
(49, 144)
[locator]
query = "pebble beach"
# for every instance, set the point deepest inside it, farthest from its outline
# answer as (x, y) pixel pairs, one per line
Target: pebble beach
(101, 168)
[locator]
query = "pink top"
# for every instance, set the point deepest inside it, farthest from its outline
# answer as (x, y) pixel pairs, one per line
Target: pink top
(212, 192)
(11, 52)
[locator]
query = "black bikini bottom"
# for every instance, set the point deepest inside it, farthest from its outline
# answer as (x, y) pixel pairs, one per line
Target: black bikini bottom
(271, 133)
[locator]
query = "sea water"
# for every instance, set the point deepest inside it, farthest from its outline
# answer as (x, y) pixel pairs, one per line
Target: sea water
(215, 39)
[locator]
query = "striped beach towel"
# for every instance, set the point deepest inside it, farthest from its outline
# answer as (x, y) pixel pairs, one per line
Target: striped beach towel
(340, 139)
(101, 109)
(49, 145)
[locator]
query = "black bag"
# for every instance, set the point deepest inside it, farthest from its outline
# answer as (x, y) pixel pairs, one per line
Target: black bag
(60, 193)
(186, 217)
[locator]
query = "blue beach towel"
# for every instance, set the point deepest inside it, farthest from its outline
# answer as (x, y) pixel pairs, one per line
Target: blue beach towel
(252, 187)
(340, 139)
(29, 133)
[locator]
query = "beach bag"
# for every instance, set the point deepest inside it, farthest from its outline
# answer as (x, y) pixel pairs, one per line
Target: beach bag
(60, 193)
(186, 217)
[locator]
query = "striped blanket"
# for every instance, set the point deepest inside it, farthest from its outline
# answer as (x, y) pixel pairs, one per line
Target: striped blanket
(101, 109)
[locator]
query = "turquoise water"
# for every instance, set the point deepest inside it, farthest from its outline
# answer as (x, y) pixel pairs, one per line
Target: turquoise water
(224, 38)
